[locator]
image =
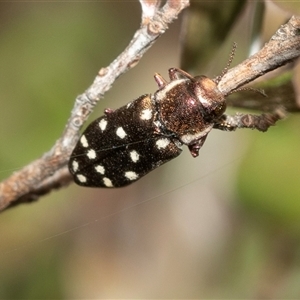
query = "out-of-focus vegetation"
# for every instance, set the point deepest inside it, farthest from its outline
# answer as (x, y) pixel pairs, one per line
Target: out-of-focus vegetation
(224, 225)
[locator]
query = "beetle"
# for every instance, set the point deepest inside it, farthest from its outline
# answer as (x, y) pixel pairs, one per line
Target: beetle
(125, 144)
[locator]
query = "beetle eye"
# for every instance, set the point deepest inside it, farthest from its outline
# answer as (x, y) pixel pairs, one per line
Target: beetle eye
(212, 100)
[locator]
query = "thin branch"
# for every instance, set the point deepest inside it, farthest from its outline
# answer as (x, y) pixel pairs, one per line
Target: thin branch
(50, 171)
(282, 48)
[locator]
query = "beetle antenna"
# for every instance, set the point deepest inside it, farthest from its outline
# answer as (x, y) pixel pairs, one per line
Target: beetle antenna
(243, 89)
(225, 70)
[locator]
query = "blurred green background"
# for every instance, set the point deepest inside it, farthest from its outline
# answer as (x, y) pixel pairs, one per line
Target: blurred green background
(224, 225)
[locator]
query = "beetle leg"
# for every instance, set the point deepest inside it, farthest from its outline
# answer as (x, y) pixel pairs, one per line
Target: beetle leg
(175, 73)
(194, 148)
(161, 82)
(108, 111)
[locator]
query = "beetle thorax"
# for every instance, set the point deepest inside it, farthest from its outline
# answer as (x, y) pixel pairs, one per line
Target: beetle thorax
(182, 107)
(211, 98)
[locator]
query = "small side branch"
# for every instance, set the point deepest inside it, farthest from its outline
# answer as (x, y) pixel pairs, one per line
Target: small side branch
(260, 122)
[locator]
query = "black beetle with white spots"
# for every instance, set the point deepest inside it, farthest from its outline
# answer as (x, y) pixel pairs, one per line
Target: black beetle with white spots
(124, 145)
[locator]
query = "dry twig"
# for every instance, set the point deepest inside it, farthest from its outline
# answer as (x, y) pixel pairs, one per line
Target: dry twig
(282, 48)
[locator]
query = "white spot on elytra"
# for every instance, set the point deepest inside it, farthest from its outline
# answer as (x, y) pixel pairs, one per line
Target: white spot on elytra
(75, 165)
(121, 133)
(157, 124)
(162, 143)
(128, 104)
(81, 178)
(91, 154)
(84, 141)
(100, 169)
(146, 114)
(131, 175)
(134, 156)
(102, 124)
(107, 182)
